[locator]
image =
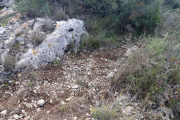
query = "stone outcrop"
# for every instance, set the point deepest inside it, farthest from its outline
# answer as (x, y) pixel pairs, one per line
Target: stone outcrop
(4, 3)
(17, 40)
(65, 33)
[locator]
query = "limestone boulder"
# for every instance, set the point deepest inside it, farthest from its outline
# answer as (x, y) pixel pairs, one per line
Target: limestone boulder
(4, 3)
(65, 33)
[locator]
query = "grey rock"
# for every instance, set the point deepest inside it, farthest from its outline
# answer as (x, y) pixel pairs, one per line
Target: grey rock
(127, 111)
(75, 87)
(40, 102)
(31, 22)
(38, 24)
(3, 113)
(2, 30)
(6, 3)
(110, 75)
(65, 33)
(16, 117)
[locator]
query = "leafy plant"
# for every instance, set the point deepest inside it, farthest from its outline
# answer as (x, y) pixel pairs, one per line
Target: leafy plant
(56, 61)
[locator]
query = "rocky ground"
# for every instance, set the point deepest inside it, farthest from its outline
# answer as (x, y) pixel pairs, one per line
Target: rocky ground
(68, 88)
(65, 89)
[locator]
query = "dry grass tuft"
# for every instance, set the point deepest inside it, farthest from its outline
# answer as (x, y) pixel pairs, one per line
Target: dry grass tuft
(37, 37)
(8, 62)
(59, 14)
(48, 25)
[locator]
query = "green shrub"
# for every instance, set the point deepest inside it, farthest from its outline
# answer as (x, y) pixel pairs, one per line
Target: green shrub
(129, 15)
(150, 70)
(34, 8)
(110, 20)
(99, 34)
(172, 3)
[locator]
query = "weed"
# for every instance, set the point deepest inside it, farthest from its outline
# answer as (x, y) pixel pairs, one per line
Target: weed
(70, 47)
(6, 84)
(63, 109)
(16, 45)
(32, 76)
(31, 84)
(4, 20)
(56, 61)
(90, 43)
(79, 81)
(105, 112)
(1, 8)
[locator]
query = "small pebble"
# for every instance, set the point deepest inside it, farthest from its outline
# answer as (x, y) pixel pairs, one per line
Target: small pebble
(3, 113)
(40, 102)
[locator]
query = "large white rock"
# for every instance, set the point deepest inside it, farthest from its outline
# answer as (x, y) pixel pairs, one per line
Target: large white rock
(6, 3)
(65, 33)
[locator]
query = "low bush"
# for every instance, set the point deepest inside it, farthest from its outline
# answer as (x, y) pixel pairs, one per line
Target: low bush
(111, 20)
(33, 8)
(174, 4)
(59, 14)
(99, 34)
(150, 72)
(123, 15)
(128, 15)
